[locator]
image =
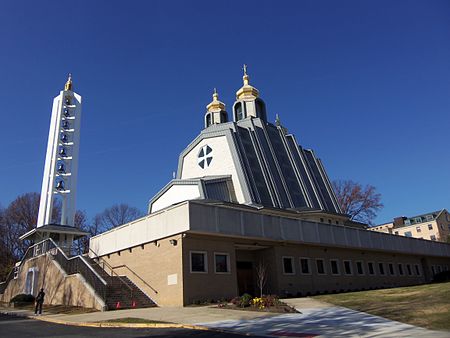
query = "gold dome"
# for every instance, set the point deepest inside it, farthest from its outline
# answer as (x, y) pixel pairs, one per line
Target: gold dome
(246, 91)
(215, 104)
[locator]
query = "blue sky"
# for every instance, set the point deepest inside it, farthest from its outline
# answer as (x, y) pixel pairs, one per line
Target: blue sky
(366, 84)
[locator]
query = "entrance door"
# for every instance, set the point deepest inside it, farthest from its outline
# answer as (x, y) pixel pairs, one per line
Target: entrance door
(245, 277)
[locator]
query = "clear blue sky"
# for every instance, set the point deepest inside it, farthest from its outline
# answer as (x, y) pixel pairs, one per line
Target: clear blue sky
(366, 84)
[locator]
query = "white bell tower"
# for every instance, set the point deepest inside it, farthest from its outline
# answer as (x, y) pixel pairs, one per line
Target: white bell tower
(61, 162)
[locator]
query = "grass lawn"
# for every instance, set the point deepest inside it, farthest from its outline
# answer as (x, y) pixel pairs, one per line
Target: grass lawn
(135, 321)
(424, 305)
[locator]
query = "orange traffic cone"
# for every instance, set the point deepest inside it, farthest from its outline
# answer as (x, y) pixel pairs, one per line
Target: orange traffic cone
(118, 306)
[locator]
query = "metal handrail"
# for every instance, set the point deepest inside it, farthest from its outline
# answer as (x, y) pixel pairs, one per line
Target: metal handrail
(76, 264)
(134, 273)
(103, 262)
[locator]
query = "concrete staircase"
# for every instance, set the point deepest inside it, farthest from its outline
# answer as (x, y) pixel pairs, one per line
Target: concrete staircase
(121, 292)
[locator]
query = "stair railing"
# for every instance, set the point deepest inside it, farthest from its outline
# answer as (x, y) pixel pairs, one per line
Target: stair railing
(72, 265)
(136, 275)
(103, 265)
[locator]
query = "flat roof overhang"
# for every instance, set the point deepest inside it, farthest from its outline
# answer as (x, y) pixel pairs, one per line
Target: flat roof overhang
(38, 232)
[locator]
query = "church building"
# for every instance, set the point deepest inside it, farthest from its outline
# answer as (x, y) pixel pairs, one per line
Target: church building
(247, 198)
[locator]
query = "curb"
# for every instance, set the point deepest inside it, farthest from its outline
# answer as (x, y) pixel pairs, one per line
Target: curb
(125, 325)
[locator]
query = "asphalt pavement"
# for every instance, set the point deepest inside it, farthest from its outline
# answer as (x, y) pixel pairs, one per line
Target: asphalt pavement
(18, 327)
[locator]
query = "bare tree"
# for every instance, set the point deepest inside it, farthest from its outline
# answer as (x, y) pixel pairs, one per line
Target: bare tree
(261, 276)
(81, 245)
(360, 203)
(114, 216)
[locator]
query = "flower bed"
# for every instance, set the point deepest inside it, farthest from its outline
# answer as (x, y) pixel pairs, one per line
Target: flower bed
(268, 303)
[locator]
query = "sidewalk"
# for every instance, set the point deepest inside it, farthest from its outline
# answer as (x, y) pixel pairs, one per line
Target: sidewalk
(178, 315)
(317, 319)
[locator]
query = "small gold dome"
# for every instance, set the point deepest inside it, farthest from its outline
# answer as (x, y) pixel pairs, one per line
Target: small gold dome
(246, 91)
(215, 104)
(68, 85)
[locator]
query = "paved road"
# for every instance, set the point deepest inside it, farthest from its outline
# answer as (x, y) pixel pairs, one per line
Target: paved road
(17, 327)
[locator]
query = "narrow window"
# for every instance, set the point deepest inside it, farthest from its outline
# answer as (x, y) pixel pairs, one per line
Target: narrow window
(304, 266)
(381, 268)
(391, 269)
(288, 265)
(433, 270)
(222, 262)
(208, 120)
(400, 269)
(430, 226)
(239, 113)
(320, 267)
(371, 268)
(433, 237)
(408, 267)
(359, 268)
(199, 262)
(347, 267)
(408, 233)
(334, 267)
(418, 229)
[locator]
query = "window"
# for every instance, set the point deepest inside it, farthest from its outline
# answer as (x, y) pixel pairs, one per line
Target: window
(304, 266)
(429, 217)
(337, 222)
(430, 226)
(418, 229)
(239, 113)
(371, 268)
(433, 237)
(400, 269)
(391, 269)
(445, 267)
(221, 262)
(433, 271)
(418, 219)
(334, 267)
(417, 269)
(439, 269)
(408, 234)
(348, 267)
(199, 262)
(408, 267)
(208, 120)
(320, 267)
(359, 268)
(396, 233)
(381, 268)
(288, 265)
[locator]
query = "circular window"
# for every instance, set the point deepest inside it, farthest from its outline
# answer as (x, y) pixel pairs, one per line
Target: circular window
(204, 157)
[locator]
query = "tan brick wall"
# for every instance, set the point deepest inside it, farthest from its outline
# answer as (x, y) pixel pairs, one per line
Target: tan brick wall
(210, 285)
(153, 264)
(58, 287)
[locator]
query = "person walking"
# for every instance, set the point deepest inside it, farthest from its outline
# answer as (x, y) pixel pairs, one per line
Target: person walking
(39, 302)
